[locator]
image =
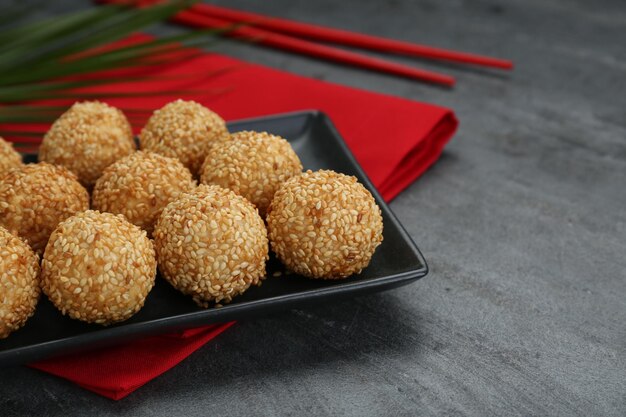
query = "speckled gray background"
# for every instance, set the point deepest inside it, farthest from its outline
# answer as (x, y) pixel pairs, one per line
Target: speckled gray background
(523, 222)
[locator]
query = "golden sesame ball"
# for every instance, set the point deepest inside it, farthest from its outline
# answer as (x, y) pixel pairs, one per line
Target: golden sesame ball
(252, 164)
(9, 158)
(36, 197)
(140, 185)
(86, 139)
(184, 130)
(19, 282)
(211, 244)
(324, 225)
(98, 267)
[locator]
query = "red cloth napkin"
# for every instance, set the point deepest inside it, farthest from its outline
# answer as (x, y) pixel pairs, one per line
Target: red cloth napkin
(395, 140)
(117, 371)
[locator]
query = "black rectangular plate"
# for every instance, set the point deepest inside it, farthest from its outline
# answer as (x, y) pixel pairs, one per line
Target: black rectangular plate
(397, 262)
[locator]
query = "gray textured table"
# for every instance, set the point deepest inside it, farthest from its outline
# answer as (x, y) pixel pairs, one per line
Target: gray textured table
(522, 221)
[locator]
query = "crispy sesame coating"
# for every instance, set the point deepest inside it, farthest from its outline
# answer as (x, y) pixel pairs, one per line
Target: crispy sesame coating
(211, 244)
(140, 185)
(324, 225)
(252, 164)
(19, 282)
(9, 158)
(36, 197)
(98, 267)
(86, 139)
(184, 130)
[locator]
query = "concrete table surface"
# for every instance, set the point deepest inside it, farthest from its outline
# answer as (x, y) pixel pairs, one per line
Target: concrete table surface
(523, 222)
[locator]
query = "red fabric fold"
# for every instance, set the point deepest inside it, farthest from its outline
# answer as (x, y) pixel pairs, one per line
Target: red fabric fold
(394, 139)
(117, 371)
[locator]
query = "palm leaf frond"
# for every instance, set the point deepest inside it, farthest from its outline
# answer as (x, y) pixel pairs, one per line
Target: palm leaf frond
(64, 56)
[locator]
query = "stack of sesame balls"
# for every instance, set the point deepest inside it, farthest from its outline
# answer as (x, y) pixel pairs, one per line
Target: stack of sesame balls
(103, 215)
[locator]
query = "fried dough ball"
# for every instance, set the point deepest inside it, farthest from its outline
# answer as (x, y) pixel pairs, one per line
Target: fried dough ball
(9, 157)
(19, 282)
(324, 225)
(211, 244)
(98, 268)
(184, 130)
(86, 139)
(252, 164)
(36, 197)
(140, 185)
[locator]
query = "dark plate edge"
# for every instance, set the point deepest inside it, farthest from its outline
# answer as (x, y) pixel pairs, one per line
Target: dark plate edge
(128, 332)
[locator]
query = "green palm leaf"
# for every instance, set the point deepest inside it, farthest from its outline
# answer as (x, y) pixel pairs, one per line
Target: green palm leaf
(56, 57)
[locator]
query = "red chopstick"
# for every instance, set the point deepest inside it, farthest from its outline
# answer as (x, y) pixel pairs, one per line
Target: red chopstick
(348, 38)
(305, 47)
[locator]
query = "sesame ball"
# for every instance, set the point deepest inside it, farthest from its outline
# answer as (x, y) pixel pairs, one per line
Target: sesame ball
(9, 158)
(324, 225)
(252, 164)
(140, 185)
(184, 130)
(19, 282)
(36, 197)
(98, 267)
(86, 139)
(211, 244)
